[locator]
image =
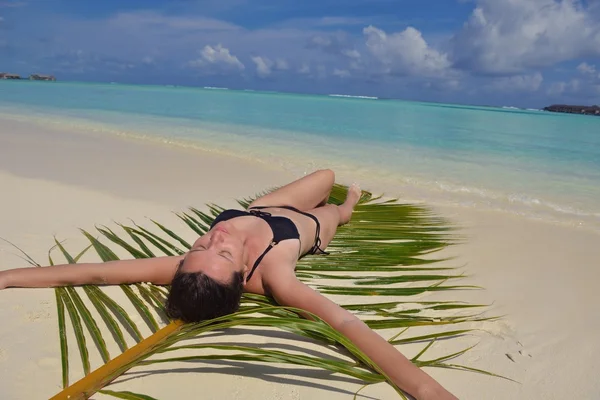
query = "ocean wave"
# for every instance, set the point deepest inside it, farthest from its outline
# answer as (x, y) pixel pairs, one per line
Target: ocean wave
(536, 202)
(354, 97)
(215, 88)
(483, 193)
(515, 201)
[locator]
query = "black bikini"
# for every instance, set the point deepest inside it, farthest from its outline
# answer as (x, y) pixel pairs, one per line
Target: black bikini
(283, 228)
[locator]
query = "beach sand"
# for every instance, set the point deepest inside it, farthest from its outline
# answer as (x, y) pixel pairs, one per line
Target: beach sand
(540, 277)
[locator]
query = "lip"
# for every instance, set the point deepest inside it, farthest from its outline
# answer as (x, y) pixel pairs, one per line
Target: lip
(220, 228)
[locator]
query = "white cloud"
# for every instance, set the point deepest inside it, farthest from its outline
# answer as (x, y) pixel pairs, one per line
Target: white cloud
(220, 54)
(587, 69)
(510, 36)
(520, 83)
(559, 88)
(320, 41)
(588, 83)
(152, 20)
(217, 56)
(356, 65)
(354, 54)
(265, 66)
(405, 53)
(333, 43)
(342, 73)
(304, 69)
(281, 64)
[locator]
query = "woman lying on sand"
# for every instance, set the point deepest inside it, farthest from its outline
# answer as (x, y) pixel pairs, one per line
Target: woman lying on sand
(254, 251)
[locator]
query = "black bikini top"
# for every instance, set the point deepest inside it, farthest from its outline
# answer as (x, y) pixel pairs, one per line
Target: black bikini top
(283, 229)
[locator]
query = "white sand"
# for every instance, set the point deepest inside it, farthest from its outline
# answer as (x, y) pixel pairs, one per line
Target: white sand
(542, 277)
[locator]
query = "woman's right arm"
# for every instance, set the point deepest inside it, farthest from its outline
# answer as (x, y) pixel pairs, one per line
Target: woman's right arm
(289, 291)
(159, 270)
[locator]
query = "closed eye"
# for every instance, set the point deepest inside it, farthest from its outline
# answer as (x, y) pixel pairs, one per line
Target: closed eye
(223, 253)
(226, 254)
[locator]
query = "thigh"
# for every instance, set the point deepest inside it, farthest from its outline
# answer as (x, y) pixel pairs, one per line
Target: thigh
(329, 219)
(304, 194)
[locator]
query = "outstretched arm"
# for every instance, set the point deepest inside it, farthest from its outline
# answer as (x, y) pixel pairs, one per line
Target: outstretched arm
(289, 291)
(159, 270)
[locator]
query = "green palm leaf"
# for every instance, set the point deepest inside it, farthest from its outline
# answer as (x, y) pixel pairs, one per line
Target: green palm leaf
(385, 251)
(62, 333)
(126, 395)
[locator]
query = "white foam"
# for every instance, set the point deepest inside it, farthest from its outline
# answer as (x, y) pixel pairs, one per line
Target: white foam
(355, 97)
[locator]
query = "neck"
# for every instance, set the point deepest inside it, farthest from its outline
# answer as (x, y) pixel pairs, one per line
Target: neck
(244, 236)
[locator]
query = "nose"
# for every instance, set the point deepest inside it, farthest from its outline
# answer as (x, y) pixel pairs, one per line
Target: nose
(217, 237)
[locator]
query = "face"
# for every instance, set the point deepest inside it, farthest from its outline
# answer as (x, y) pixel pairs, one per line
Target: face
(218, 254)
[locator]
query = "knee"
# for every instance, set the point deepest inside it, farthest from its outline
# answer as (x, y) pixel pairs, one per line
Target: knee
(328, 174)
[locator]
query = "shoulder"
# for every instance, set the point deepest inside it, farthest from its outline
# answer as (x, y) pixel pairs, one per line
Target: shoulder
(276, 269)
(278, 277)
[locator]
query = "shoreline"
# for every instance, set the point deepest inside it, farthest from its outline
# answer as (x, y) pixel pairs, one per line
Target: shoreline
(539, 275)
(178, 169)
(416, 189)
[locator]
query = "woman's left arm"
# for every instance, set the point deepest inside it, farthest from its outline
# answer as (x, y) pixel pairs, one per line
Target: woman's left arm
(289, 291)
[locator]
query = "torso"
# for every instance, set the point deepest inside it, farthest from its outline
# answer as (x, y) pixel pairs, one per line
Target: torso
(283, 255)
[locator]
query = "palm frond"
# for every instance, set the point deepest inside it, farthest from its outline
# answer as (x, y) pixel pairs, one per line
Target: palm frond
(386, 250)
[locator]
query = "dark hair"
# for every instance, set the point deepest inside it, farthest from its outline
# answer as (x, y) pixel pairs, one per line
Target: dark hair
(196, 297)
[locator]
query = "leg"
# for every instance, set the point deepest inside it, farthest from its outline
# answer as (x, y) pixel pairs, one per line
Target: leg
(331, 216)
(304, 194)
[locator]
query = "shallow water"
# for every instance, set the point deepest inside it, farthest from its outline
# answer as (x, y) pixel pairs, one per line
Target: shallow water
(533, 163)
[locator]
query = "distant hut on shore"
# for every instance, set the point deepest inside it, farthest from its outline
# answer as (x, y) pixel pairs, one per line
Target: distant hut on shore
(38, 77)
(6, 75)
(564, 108)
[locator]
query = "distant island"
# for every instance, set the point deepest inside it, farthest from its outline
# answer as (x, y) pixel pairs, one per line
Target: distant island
(563, 108)
(33, 77)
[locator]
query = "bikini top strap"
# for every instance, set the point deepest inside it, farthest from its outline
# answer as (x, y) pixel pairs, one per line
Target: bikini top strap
(259, 259)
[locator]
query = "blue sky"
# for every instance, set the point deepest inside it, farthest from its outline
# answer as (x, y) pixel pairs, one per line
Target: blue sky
(527, 53)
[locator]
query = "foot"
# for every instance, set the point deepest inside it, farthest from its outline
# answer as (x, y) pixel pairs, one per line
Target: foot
(352, 199)
(353, 196)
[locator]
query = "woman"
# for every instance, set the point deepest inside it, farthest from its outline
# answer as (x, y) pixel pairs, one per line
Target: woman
(254, 251)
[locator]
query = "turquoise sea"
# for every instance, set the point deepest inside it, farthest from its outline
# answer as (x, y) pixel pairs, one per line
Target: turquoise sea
(529, 162)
